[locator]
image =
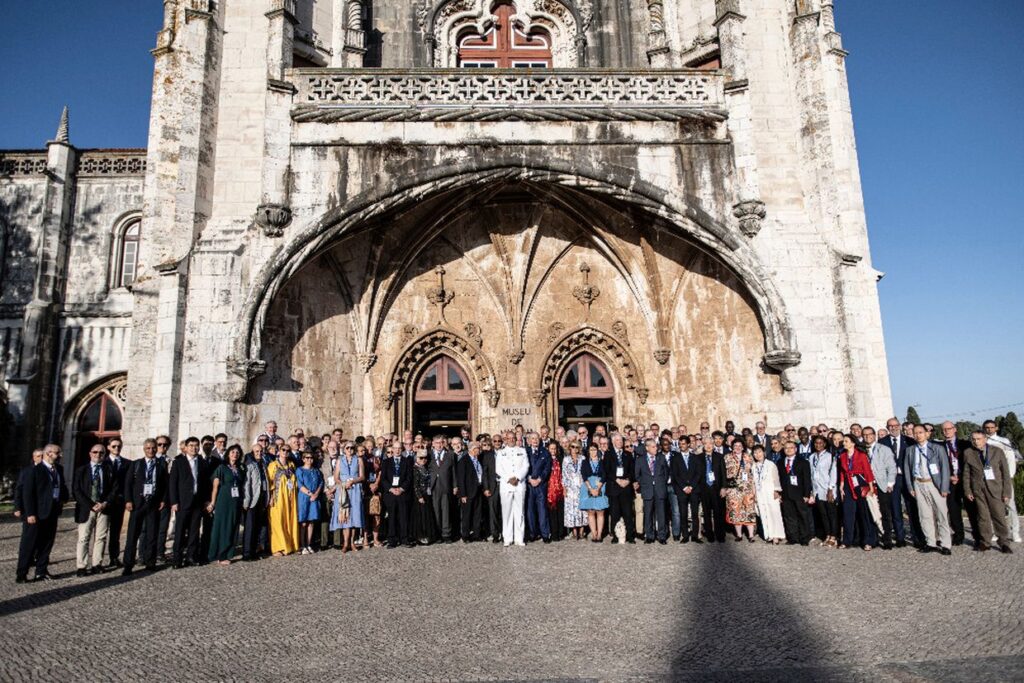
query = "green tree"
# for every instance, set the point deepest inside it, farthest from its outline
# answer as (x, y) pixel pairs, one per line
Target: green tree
(912, 415)
(964, 429)
(1012, 429)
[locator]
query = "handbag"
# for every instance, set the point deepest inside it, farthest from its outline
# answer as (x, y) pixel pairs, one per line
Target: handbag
(375, 504)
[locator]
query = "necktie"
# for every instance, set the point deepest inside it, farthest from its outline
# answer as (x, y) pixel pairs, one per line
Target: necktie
(789, 465)
(94, 491)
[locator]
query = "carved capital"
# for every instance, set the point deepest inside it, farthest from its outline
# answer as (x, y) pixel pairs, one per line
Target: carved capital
(493, 397)
(621, 330)
(246, 368)
(662, 355)
(474, 333)
(782, 360)
(750, 214)
(273, 218)
(283, 8)
(366, 361)
(642, 393)
(516, 357)
(556, 331)
(538, 397)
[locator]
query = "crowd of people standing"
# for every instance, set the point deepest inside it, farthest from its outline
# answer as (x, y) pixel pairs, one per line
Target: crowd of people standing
(305, 494)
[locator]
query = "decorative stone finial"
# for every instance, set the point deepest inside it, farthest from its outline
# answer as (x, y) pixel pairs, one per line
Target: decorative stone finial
(750, 214)
(63, 129)
(586, 293)
(273, 218)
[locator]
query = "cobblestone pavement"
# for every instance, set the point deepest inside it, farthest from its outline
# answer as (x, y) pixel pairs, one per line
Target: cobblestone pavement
(569, 610)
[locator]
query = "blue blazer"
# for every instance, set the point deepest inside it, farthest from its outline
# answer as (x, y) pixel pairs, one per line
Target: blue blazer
(652, 484)
(540, 463)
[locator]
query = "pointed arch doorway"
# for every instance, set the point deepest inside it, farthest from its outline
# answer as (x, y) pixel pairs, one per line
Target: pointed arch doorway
(586, 394)
(443, 399)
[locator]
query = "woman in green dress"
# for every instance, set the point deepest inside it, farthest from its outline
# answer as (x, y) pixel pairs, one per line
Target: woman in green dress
(228, 483)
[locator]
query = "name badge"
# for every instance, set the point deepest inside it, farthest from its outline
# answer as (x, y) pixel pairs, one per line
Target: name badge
(956, 468)
(933, 468)
(620, 472)
(899, 471)
(330, 481)
(373, 477)
(990, 474)
(856, 480)
(711, 477)
(234, 492)
(792, 480)
(394, 482)
(743, 476)
(147, 489)
(429, 490)
(669, 481)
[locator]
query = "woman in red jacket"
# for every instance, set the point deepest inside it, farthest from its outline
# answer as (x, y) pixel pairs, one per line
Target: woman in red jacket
(856, 482)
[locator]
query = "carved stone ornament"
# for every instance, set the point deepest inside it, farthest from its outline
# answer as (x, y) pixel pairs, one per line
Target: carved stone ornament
(474, 333)
(516, 357)
(493, 397)
(586, 293)
(750, 214)
(409, 333)
(781, 360)
(642, 393)
(662, 356)
(366, 361)
(538, 398)
(273, 218)
(618, 359)
(246, 368)
(439, 296)
(555, 331)
(621, 331)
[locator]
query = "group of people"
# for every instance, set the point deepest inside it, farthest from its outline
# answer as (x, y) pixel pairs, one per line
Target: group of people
(307, 494)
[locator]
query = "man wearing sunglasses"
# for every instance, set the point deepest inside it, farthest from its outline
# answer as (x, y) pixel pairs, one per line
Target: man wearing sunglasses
(115, 506)
(163, 445)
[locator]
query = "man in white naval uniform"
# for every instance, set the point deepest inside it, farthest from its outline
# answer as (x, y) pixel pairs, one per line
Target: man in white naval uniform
(511, 467)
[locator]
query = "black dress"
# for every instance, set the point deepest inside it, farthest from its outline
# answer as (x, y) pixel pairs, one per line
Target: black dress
(423, 513)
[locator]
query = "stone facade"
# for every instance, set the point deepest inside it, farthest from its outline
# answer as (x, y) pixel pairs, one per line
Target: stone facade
(327, 205)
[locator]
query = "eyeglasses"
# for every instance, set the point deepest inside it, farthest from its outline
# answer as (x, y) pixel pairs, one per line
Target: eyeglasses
(96, 452)
(114, 447)
(162, 445)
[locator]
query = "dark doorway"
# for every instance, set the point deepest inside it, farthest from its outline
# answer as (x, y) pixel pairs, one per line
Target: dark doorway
(442, 401)
(100, 421)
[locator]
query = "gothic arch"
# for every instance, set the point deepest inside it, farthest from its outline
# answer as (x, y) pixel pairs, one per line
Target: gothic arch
(114, 384)
(682, 215)
(623, 367)
(565, 20)
(440, 341)
(118, 232)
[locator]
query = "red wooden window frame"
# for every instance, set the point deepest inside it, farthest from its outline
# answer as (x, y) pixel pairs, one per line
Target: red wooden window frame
(505, 45)
(443, 393)
(583, 364)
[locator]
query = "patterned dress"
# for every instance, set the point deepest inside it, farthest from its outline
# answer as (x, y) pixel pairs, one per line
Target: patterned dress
(740, 501)
(282, 511)
(348, 469)
(571, 483)
(555, 486)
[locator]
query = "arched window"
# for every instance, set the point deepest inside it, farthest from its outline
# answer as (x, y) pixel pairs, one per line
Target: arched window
(128, 261)
(585, 393)
(98, 422)
(505, 46)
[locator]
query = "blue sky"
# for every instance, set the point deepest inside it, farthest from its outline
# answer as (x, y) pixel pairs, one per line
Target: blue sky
(938, 98)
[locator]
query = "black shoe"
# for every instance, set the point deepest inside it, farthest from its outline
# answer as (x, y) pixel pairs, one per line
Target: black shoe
(410, 544)
(663, 541)
(127, 571)
(152, 567)
(95, 570)
(710, 540)
(958, 542)
(497, 539)
(698, 540)
(449, 540)
(901, 544)
(925, 549)
(114, 564)
(547, 540)
(82, 572)
(887, 546)
(631, 541)
(648, 541)
(392, 546)
(43, 577)
(21, 579)
(983, 547)
(676, 539)
(684, 540)
(615, 540)
(1006, 550)
(945, 551)
(178, 565)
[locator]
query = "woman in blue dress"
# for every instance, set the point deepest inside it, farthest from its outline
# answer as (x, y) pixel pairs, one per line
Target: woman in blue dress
(311, 485)
(593, 497)
(348, 474)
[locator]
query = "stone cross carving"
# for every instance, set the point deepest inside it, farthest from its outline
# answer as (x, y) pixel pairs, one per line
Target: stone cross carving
(586, 293)
(439, 296)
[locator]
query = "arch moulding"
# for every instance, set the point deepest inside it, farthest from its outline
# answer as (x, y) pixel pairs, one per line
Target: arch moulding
(620, 362)
(401, 390)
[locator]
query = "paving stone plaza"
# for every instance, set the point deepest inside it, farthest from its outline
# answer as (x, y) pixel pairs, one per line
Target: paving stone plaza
(566, 610)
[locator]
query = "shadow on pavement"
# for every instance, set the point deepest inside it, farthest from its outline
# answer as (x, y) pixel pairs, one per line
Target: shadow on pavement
(62, 589)
(739, 627)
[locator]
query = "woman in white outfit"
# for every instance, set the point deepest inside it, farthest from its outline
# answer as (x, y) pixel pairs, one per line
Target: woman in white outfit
(511, 467)
(768, 491)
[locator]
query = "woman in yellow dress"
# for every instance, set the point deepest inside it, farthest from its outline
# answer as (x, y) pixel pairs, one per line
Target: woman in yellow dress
(282, 510)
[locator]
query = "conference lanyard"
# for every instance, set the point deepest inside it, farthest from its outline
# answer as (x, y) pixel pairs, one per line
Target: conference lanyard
(985, 458)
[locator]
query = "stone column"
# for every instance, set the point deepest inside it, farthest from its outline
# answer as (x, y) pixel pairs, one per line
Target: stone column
(748, 210)
(659, 52)
(177, 203)
(31, 389)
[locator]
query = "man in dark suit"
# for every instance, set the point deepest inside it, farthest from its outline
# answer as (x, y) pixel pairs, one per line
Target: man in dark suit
(711, 500)
(442, 472)
(145, 488)
(189, 495)
(537, 523)
(492, 495)
(898, 442)
(651, 473)
(956, 501)
(469, 476)
(619, 473)
(42, 499)
(687, 476)
(115, 506)
(163, 445)
(91, 487)
(797, 494)
(396, 482)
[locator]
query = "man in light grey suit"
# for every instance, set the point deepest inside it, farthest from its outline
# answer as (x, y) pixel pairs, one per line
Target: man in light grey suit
(926, 470)
(442, 473)
(883, 466)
